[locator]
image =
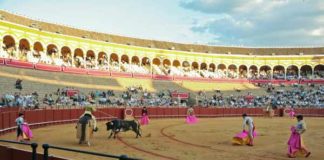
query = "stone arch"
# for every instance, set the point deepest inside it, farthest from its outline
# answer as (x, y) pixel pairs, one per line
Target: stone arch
(292, 72)
(9, 42)
(66, 51)
(51, 49)
(221, 67)
(212, 67)
(243, 72)
(232, 71)
(102, 58)
(38, 47)
(319, 71)
(265, 72)
(24, 45)
(253, 71)
(145, 61)
(157, 61)
(195, 65)
(66, 54)
(203, 66)
(185, 64)
(114, 57)
(176, 63)
(90, 54)
(135, 60)
(78, 52)
(306, 71)
(279, 72)
(232, 67)
(166, 62)
(125, 59)
(265, 68)
(90, 59)
(78, 57)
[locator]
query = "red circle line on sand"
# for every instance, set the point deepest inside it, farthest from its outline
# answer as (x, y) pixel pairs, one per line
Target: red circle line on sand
(198, 145)
(184, 142)
(145, 151)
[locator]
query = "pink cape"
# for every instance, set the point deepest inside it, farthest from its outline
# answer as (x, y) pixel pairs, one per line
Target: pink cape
(242, 137)
(244, 134)
(291, 113)
(294, 142)
(27, 133)
(144, 119)
(192, 119)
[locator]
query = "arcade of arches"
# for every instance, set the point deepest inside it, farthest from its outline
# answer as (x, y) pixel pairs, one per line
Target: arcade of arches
(37, 52)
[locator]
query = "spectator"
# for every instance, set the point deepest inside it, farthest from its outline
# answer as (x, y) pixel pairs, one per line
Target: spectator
(18, 84)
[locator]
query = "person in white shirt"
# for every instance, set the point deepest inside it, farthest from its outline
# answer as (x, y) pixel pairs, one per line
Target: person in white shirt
(248, 121)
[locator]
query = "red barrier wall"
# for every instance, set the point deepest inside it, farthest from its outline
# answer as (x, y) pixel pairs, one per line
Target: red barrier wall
(8, 115)
(98, 73)
(121, 74)
(162, 77)
(19, 64)
(74, 70)
(138, 75)
(46, 67)
(2, 61)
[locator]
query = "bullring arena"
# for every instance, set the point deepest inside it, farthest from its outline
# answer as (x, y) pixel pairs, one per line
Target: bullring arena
(174, 139)
(58, 70)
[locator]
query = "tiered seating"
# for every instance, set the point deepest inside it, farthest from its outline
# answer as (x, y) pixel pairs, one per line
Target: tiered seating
(158, 44)
(175, 71)
(133, 68)
(157, 70)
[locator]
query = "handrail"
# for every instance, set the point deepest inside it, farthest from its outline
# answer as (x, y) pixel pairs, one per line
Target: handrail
(33, 145)
(47, 146)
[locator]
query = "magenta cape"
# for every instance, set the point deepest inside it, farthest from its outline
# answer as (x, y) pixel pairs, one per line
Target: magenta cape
(27, 133)
(192, 119)
(242, 138)
(244, 134)
(294, 142)
(144, 119)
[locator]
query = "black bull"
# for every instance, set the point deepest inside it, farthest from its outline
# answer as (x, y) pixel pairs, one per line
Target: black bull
(118, 125)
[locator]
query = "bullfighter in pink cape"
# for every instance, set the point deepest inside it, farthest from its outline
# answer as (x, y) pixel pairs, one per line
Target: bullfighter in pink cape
(295, 142)
(248, 121)
(23, 130)
(144, 118)
(191, 118)
(291, 113)
(19, 122)
(27, 133)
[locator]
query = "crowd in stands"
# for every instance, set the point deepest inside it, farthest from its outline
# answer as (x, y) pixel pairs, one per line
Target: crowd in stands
(53, 56)
(298, 97)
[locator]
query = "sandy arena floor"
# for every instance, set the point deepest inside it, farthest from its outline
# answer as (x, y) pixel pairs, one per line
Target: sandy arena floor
(210, 139)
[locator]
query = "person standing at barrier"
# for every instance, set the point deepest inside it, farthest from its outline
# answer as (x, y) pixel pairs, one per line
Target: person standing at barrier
(144, 118)
(248, 121)
(86, 126)
(295, 142)
(292, 113)
(191, 118)
(20, 122)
